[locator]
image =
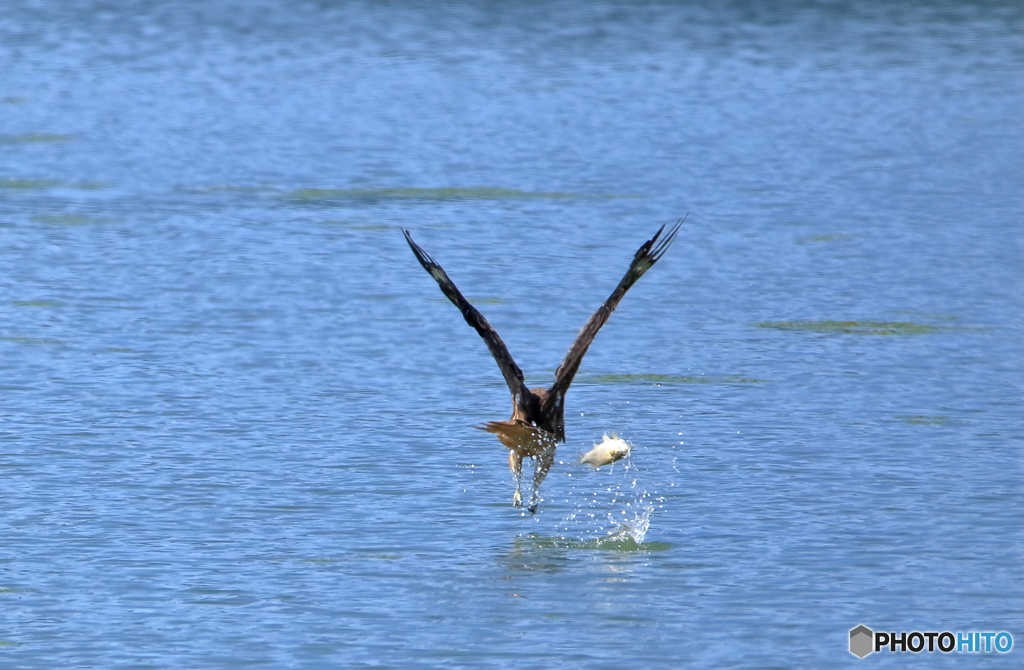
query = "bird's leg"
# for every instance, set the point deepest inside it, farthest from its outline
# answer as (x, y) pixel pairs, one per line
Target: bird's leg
(542, 463)
(515, 464)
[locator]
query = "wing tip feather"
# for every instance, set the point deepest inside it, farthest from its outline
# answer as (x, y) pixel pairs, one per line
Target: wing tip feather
(422, 256)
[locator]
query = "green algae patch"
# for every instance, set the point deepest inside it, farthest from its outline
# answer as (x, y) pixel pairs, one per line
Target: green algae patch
(11, 182)
(359, 224)
(204, 189)
(320, 561)
(33, 341)
(854, 327)
(922, 420)
(68, 219)
(620, 544)
(669, 379)
(35, 138)
(437, 194)
(374, 227)
(28, 184)
(37, 303)
(817, 239)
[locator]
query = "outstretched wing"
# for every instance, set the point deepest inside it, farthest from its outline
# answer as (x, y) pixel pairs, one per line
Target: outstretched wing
(513, 375)
(646, 256)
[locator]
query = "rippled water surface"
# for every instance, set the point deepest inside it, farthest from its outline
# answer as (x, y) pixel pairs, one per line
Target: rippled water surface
(236, 415)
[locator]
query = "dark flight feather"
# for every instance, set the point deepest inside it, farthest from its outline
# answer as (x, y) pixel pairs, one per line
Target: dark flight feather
(513, 375)
(646, 256)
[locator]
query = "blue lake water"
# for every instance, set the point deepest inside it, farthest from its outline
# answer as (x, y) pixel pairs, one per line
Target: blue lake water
(236, 415)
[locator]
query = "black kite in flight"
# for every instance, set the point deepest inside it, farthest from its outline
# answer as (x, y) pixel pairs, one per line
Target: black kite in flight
(538, 415)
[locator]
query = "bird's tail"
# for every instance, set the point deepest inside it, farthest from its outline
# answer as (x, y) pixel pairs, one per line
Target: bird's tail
(521, 438)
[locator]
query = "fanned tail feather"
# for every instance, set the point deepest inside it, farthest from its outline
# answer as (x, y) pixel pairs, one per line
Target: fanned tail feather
(521, 438)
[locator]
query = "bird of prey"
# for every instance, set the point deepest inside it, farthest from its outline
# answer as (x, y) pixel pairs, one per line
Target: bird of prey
(538, 415)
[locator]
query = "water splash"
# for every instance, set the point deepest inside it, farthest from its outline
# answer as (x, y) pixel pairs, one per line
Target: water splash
(634, 529)
(616, 514)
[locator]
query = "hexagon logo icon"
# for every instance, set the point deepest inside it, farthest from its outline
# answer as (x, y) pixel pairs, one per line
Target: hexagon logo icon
(861, 641)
